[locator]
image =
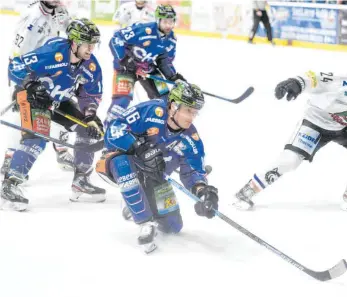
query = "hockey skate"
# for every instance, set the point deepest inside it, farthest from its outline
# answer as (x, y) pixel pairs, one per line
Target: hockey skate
(147, 235)
(84, 191)
(242, 199)
(12, 197)
(65, 160)
(6, 167)
(7, 161)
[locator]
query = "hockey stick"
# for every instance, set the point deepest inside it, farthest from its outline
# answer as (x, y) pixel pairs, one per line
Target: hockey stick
(48, 138)
(208, 170)
(72, 118)
(237, 100)
(7, 108)
(336, 271)
(91, 148)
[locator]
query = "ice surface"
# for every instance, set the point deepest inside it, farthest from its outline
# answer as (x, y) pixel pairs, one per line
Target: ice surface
(61, 249)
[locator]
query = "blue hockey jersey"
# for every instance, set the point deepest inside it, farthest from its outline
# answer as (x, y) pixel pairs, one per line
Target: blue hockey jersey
(148, 48)
(50, 64)
(183, 149)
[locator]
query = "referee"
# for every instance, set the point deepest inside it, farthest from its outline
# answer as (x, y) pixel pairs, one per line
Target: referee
(260, 15)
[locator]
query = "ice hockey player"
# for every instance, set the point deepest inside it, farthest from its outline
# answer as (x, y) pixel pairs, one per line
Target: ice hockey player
(148, 140)
(324, 120)
(144, 48)
(63, 73)
(129, 13)
(41, 21)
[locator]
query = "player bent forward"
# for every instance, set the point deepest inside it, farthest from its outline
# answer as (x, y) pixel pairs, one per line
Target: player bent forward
(41, 21)
(147, 141)
(62, 72)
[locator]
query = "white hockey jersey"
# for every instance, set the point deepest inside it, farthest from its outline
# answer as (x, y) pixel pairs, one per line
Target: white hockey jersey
(36, 26)
(327, 104)
(128, 14)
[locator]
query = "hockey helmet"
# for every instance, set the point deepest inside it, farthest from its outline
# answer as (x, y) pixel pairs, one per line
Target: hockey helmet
(165, 11)
(83, 31)
(187, 94)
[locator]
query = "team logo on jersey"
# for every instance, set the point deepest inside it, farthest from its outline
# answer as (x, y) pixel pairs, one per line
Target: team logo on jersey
(146, 43)
(57, 73)
(159, 112)
(148, 30)
(195, 136)
(141, 54)
(152, 131)
(92, 67)
(58, 57)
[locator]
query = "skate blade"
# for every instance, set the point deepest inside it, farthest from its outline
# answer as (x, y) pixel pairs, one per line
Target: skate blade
(10, 206)
(149, 247)
(241, 205)
(87, 198)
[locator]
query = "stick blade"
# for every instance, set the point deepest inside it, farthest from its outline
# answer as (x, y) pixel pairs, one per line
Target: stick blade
(334, 272)
(339, 269)
(244, 96)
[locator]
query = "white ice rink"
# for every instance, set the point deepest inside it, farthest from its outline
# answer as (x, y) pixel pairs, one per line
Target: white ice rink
(61, 249)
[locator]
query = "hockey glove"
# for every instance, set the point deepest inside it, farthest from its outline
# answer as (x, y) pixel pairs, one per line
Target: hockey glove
(37, 95)
(128, 64)
(209, 200)
(150, 160)
(292, 87)
(95, 127)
